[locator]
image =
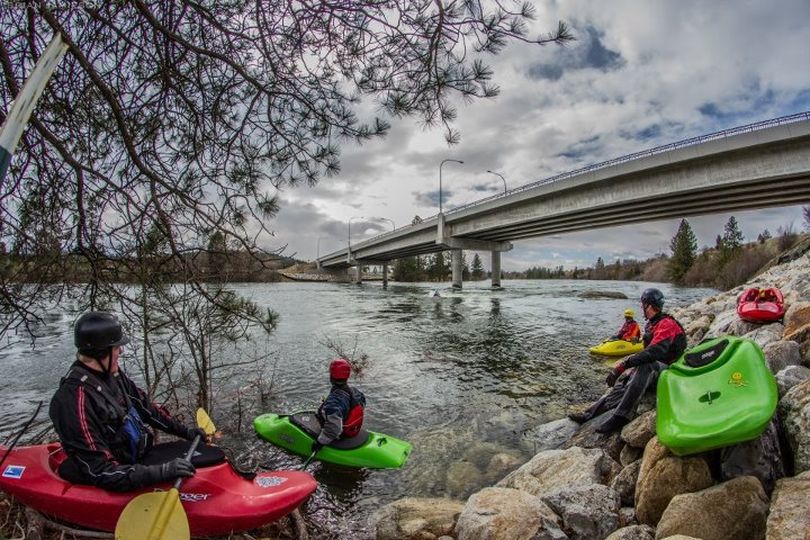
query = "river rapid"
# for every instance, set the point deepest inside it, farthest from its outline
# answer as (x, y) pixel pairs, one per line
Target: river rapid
(461, 376)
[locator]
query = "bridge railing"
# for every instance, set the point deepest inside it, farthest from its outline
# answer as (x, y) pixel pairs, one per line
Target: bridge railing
(615, 161)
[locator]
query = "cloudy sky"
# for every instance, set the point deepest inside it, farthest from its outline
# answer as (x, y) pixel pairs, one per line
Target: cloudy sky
(640, 74)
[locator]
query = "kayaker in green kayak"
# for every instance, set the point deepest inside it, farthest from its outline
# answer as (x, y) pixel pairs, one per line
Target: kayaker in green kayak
(341, 413)
(664, 342)
(103, 419)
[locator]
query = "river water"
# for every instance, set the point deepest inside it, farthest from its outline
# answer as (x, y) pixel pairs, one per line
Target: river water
(461, 376)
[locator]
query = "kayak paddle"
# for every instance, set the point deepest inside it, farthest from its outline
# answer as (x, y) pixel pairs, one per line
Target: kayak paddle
(312, 455)
(159, 515)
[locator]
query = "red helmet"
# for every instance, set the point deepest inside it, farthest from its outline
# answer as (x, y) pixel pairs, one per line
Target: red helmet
(340, 369)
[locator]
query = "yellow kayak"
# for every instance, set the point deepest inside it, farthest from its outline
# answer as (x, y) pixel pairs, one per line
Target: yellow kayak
(617, 347)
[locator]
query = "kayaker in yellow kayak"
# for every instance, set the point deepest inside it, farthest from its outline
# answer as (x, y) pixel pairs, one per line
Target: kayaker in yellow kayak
(341, 413)
(630, 330)
(664, 342)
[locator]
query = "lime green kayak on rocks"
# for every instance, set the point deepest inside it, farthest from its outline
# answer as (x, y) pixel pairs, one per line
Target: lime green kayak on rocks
(717, 394)
(296, 432)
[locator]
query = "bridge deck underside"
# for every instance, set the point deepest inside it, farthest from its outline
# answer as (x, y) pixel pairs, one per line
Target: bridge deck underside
(771, 192)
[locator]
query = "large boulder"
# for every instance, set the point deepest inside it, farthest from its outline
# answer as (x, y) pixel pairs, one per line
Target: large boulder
(797, 320)
(554, 470)
(630, 454)
(790, 377)
(781, 354)
(794, 412)
(729, 511)
(500, 465)
(413, 517)
(721, 323)
(663, 476)
(463, 478)
(797, 327)
(760, 457)
(633, 532)
(765, 334)
(741, 327)
(506, 514)
(586, 511)
(548, 436)
(788, 517)
(625, 483)
(639, 432)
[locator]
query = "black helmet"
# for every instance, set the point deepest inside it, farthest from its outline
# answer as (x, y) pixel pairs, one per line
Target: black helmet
(652, 297)
(97, 331)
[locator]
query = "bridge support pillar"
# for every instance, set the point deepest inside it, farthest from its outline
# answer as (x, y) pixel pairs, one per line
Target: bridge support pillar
(496, 269)
(457, 268)
(385, 275)
(358, 276)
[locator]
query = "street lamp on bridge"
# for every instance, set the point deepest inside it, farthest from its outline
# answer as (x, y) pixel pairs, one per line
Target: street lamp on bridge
(502, 178)
(349, 233)
(393, 225)
(440, 179)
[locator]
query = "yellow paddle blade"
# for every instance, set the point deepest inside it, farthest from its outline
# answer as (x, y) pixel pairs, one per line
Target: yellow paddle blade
(153, 516)
(205, 422)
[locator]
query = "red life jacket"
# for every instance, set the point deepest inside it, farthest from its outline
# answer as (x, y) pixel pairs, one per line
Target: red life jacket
(353, 421)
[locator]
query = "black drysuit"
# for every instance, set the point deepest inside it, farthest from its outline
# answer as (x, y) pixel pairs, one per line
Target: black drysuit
(102, 421)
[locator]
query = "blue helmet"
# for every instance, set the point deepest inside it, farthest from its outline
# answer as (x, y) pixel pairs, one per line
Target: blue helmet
(652, 297)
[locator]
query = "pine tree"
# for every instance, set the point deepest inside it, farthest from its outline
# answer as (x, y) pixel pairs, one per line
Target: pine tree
(477, 267)
(732, 236)
(684, 248)
(731, 242)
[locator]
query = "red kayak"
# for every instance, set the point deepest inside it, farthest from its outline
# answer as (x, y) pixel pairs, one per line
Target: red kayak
(217, 500)
(761, 305)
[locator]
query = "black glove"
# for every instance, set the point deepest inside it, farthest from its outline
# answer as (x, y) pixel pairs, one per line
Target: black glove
(193, 432)
(614, 374)
(176, 468)
(315, 446)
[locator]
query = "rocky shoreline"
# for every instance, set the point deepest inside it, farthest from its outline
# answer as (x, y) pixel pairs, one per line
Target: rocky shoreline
(628, 486)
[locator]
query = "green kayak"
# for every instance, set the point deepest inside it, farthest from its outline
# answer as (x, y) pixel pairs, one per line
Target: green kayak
(296, 432)
(717, 394)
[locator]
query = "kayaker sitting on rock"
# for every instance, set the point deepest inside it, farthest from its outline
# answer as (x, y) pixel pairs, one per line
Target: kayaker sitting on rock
(101, 416)
(630, 330)
(341, 413)
(664, 342)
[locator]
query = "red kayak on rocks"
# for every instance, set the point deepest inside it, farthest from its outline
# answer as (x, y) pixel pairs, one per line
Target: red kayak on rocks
(761, 305)
(217, 499)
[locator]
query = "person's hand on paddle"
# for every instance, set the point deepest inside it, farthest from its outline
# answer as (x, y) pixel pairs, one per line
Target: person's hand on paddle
(194, 431)
(177, 468)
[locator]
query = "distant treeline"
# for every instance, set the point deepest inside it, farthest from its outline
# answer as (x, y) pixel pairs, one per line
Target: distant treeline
(730, 262)
(221, 266)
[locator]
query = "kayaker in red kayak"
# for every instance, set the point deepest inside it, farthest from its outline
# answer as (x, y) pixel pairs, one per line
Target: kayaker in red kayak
(630, 330)
(664, 342)
(104, 420)
(341, 413)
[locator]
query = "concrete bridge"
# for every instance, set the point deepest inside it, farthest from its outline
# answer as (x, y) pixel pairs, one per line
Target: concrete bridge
(754, 166)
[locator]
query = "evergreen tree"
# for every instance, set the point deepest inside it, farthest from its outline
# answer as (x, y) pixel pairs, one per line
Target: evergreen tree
(764, 236)
(684, 248)
(477, 267)
(732, 236)
(731, 242)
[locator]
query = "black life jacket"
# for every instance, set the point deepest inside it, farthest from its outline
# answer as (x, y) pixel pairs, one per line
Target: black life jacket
(131, 438)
